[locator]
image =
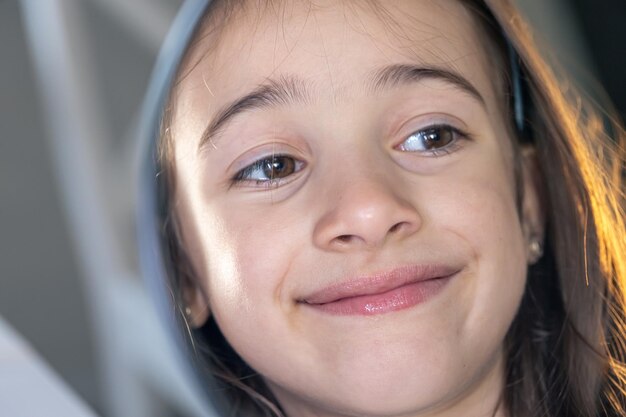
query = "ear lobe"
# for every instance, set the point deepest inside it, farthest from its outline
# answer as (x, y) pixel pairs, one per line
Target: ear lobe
(533, 211)
(196, 306)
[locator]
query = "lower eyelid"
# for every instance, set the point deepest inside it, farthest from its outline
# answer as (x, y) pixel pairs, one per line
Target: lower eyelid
(449, 149)
(269, 183)
(445, 149)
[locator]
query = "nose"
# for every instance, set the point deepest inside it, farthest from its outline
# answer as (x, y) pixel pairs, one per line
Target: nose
(364, 214)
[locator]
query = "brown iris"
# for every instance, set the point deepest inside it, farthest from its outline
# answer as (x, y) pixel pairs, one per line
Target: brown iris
(437, 137)
(279, 166)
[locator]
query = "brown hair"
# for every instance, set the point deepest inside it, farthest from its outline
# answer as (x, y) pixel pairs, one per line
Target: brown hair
(566, 348)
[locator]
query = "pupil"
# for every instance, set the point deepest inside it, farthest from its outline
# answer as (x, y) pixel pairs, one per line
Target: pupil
(437, 137)
(279, 167)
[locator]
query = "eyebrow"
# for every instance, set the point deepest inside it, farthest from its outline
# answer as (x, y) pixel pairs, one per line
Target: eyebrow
(397, 75)
(292, 90)
(273, 93)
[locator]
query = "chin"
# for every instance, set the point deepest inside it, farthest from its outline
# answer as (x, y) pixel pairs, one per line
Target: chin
(398, 382)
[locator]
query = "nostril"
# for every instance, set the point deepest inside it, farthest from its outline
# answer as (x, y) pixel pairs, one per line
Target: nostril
(395, 227)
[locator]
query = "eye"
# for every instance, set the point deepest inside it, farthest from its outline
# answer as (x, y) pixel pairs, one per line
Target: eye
(433, 139)
(269, 170)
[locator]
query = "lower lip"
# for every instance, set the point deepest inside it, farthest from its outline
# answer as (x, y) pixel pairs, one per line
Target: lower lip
(396, 299)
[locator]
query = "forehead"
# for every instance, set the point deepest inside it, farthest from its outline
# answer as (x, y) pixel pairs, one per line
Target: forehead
(333, 46)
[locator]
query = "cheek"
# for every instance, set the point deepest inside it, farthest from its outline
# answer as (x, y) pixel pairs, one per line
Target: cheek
(479, 204)
(480, 210)
(248, 258)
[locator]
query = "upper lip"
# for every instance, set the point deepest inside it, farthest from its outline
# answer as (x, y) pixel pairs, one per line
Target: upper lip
(379, 282)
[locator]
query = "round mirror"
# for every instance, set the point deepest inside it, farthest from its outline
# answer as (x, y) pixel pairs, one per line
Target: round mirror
(153, 208)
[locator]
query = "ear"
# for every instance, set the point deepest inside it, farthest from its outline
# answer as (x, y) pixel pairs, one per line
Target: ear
(533, 207)
(195, 303)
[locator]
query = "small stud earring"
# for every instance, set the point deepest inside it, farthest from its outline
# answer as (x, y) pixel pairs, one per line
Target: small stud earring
(188, 312)
(535, 249)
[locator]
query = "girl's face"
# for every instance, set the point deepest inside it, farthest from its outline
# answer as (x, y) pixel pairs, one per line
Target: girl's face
(346, 189)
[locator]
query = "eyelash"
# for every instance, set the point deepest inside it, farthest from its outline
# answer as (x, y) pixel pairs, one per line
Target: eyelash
(296, 165)
(244, 175)
(444, 150)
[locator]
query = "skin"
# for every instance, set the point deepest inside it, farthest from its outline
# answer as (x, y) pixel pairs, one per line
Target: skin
(357, 204)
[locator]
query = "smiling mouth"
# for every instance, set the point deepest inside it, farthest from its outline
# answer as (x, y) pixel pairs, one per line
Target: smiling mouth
(394, 290)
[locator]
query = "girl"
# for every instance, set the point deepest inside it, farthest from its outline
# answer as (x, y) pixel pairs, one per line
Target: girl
(368, 214)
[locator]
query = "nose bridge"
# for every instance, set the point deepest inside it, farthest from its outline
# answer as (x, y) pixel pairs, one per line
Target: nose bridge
(364, 208)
